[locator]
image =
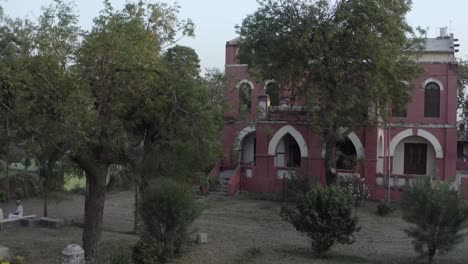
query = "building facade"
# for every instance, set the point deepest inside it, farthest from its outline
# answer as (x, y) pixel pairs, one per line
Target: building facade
(267, 136)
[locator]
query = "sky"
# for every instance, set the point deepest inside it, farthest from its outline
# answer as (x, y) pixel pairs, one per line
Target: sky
(215, 20)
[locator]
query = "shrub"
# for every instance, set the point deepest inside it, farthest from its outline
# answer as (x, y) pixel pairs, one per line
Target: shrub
(19, 193)
(325, 216)
(354, 185)
(167, 211)
(297, 185)
(438, 214)
(145, 251)
(384, 209)
(3, 197)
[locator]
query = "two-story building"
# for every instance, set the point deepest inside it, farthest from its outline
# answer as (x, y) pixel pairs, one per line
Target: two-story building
(268, 136)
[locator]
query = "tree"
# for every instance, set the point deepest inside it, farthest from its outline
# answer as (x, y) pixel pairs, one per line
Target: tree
(462, 81)
(325, 216)
(438, 215)
(94, 95)
(343, 57)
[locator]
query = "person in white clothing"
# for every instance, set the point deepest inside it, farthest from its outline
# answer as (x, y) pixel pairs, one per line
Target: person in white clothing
(19, 211)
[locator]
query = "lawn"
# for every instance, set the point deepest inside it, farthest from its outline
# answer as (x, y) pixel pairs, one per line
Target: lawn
(234, 226)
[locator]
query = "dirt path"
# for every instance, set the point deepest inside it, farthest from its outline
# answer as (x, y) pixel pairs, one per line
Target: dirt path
(233, 226)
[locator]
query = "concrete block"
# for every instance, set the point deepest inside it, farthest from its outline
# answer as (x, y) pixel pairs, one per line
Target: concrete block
(202, 238)
(73, 254)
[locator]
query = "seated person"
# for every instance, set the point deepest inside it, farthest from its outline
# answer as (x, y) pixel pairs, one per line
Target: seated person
(19, 211)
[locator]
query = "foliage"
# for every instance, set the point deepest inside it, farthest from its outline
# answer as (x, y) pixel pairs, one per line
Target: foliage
(438, 214)
(342, 57)
(297, 185)
(462, 81)
(325, 216)
(15, 260)
(93, 96)
(354, 185)
(383, 209)
(145, 252)
(167, 210)
(19, 193)
(3, 197)
(75, 184)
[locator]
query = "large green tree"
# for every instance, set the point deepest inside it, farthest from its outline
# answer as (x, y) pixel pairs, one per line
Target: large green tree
(344, 57)
(92, 96)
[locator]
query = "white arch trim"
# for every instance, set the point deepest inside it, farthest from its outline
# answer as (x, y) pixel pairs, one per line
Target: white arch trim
(242, 134)
(433, 140)
(360, 152)
(245, 81)
(422, 133)
(357, 145)
(399, 137)
(267, 83)
(430, 80)
(295, 134)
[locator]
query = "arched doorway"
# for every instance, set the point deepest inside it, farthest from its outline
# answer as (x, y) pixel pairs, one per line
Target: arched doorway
(288, 153)
(414, 155)
(346, 155)
(248, 149)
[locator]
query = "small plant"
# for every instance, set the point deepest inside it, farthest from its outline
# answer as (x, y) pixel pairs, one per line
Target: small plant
(3, 197)
(384, 209)
(438, 214)
(17, 260)
(167, 211)
(354, 185)
(324, 214)
(19, 193)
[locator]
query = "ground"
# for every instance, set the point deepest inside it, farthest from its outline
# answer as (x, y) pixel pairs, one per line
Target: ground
(234, 226)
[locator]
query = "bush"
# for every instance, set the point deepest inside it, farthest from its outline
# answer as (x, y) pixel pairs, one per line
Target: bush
(354, 185)
(384, 209)
(19, 193)
(167, 211)
(145, 251)
(297, 185)
(438, 214)
(3, 197)
(325, 216)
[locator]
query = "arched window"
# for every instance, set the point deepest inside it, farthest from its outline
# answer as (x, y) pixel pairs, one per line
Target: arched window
(245, 102)
(272, 90)
(432, 100)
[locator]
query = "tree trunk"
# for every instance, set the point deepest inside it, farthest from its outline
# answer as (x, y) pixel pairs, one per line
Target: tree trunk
(46, 197)
(136, 212)
(94, 209)
(330, 138)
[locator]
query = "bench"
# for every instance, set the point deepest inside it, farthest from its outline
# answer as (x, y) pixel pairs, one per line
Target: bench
(55, 223)
(15, 221)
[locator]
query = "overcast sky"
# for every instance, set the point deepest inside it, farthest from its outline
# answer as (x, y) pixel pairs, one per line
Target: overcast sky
(215, 20)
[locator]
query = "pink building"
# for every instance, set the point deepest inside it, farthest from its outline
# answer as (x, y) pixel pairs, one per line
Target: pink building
(268, 137)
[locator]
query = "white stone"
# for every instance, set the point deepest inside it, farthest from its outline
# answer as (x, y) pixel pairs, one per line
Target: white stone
(202, 238)
(73, 254)
(4, 253)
